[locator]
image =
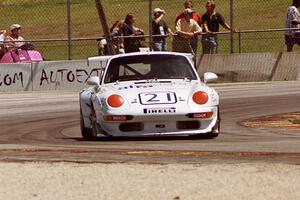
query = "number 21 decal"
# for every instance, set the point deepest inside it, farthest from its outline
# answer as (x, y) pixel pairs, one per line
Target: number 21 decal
(153, 98)
(148, 98)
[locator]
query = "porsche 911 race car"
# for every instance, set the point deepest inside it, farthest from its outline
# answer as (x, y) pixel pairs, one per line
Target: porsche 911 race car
(149, 94)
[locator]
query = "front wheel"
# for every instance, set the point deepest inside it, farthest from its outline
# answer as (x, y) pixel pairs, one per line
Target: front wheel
(213, 134)
(215, 130)
(87, 133)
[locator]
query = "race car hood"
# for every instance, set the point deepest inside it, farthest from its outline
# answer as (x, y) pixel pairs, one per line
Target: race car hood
(150, 92)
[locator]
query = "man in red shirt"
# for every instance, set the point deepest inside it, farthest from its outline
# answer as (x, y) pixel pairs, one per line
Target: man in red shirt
(196, 17)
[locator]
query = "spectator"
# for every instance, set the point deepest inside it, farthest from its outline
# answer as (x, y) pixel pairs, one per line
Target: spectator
(116, 31)
(14, 40)
(118, 44)
(211, 23)
(186, 29)
(159, 27)
(2, 36)
(196, 17)
(131, 44)
(292, 37)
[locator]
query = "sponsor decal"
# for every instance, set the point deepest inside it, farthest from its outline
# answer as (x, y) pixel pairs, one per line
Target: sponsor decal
(67, 75)
(150, 98)
(289, 121)
(159, 110)
(11, 79)
(134, 86)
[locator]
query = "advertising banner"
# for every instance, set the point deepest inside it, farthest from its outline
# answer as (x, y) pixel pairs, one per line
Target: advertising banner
(15, 77)
(62, 75)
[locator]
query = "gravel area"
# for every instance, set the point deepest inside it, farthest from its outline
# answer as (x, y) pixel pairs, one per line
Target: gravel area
(136, 181)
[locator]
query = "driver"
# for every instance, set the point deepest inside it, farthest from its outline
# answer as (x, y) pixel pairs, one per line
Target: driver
(14, 40)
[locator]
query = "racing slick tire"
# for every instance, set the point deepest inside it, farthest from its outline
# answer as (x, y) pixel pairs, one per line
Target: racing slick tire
(87, 133)
(215, 130)
(213, 134)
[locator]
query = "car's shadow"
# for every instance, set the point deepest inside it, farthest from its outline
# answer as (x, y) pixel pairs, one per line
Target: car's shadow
(150, 138)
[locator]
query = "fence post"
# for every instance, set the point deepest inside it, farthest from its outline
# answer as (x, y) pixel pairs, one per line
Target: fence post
(232, 26)
(274, 69)
(69, 29)
(106, 31)
(150, 25)
(240, 42)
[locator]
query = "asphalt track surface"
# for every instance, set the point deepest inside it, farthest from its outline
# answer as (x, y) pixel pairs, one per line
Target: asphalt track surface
(44, 126)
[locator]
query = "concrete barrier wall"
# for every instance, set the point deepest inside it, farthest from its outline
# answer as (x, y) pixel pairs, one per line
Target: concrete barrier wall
(240, 67)
(72, 75)
(56, 75)
(15, 77)
(288, 67)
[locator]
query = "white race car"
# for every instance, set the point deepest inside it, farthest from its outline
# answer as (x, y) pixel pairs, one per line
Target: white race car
(149, 94)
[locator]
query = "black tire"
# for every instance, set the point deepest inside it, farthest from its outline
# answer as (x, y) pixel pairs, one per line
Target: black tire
(212, 134)
(217, 127)
(87, 133)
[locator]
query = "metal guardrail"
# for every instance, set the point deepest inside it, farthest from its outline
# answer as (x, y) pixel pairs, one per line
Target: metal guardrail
(142, 36)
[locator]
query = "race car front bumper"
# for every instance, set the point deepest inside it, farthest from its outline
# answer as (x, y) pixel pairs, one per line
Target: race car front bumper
(200, 122)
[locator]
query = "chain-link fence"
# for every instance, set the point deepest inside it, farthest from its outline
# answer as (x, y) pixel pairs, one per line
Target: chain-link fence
(62, 29)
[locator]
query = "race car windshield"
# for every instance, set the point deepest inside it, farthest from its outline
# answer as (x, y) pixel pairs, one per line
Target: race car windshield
(143, 67)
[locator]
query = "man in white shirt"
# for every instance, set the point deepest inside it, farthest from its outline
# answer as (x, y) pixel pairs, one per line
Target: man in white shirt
(2, 36)
(186, 29)
(14, 40)
(292, 37)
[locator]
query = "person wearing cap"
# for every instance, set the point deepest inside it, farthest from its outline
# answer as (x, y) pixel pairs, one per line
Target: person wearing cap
(211, 23)
(186, 30)
(14, 40)
(160, 30)
(196, 17)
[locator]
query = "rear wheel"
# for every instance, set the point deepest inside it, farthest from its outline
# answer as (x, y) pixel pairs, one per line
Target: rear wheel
(87, 133)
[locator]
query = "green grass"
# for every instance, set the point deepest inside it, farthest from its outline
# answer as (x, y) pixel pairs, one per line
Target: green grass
(47, 19)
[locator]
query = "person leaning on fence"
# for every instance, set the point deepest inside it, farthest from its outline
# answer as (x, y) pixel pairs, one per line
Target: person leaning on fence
(118, 42)
(14, 40)
(131, 44)
(160, 30)
(211, 24)
(292, 37)
(196, 17)
(116, 33)
(186, 29)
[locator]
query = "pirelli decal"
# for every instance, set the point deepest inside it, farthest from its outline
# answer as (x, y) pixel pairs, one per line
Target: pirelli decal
(159, 110)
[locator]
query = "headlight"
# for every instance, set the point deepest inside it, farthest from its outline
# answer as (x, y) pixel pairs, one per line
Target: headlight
(115, 101)
(200, 97)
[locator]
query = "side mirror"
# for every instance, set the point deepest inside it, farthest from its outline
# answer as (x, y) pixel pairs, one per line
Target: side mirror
(209, 77)
(94, 80)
